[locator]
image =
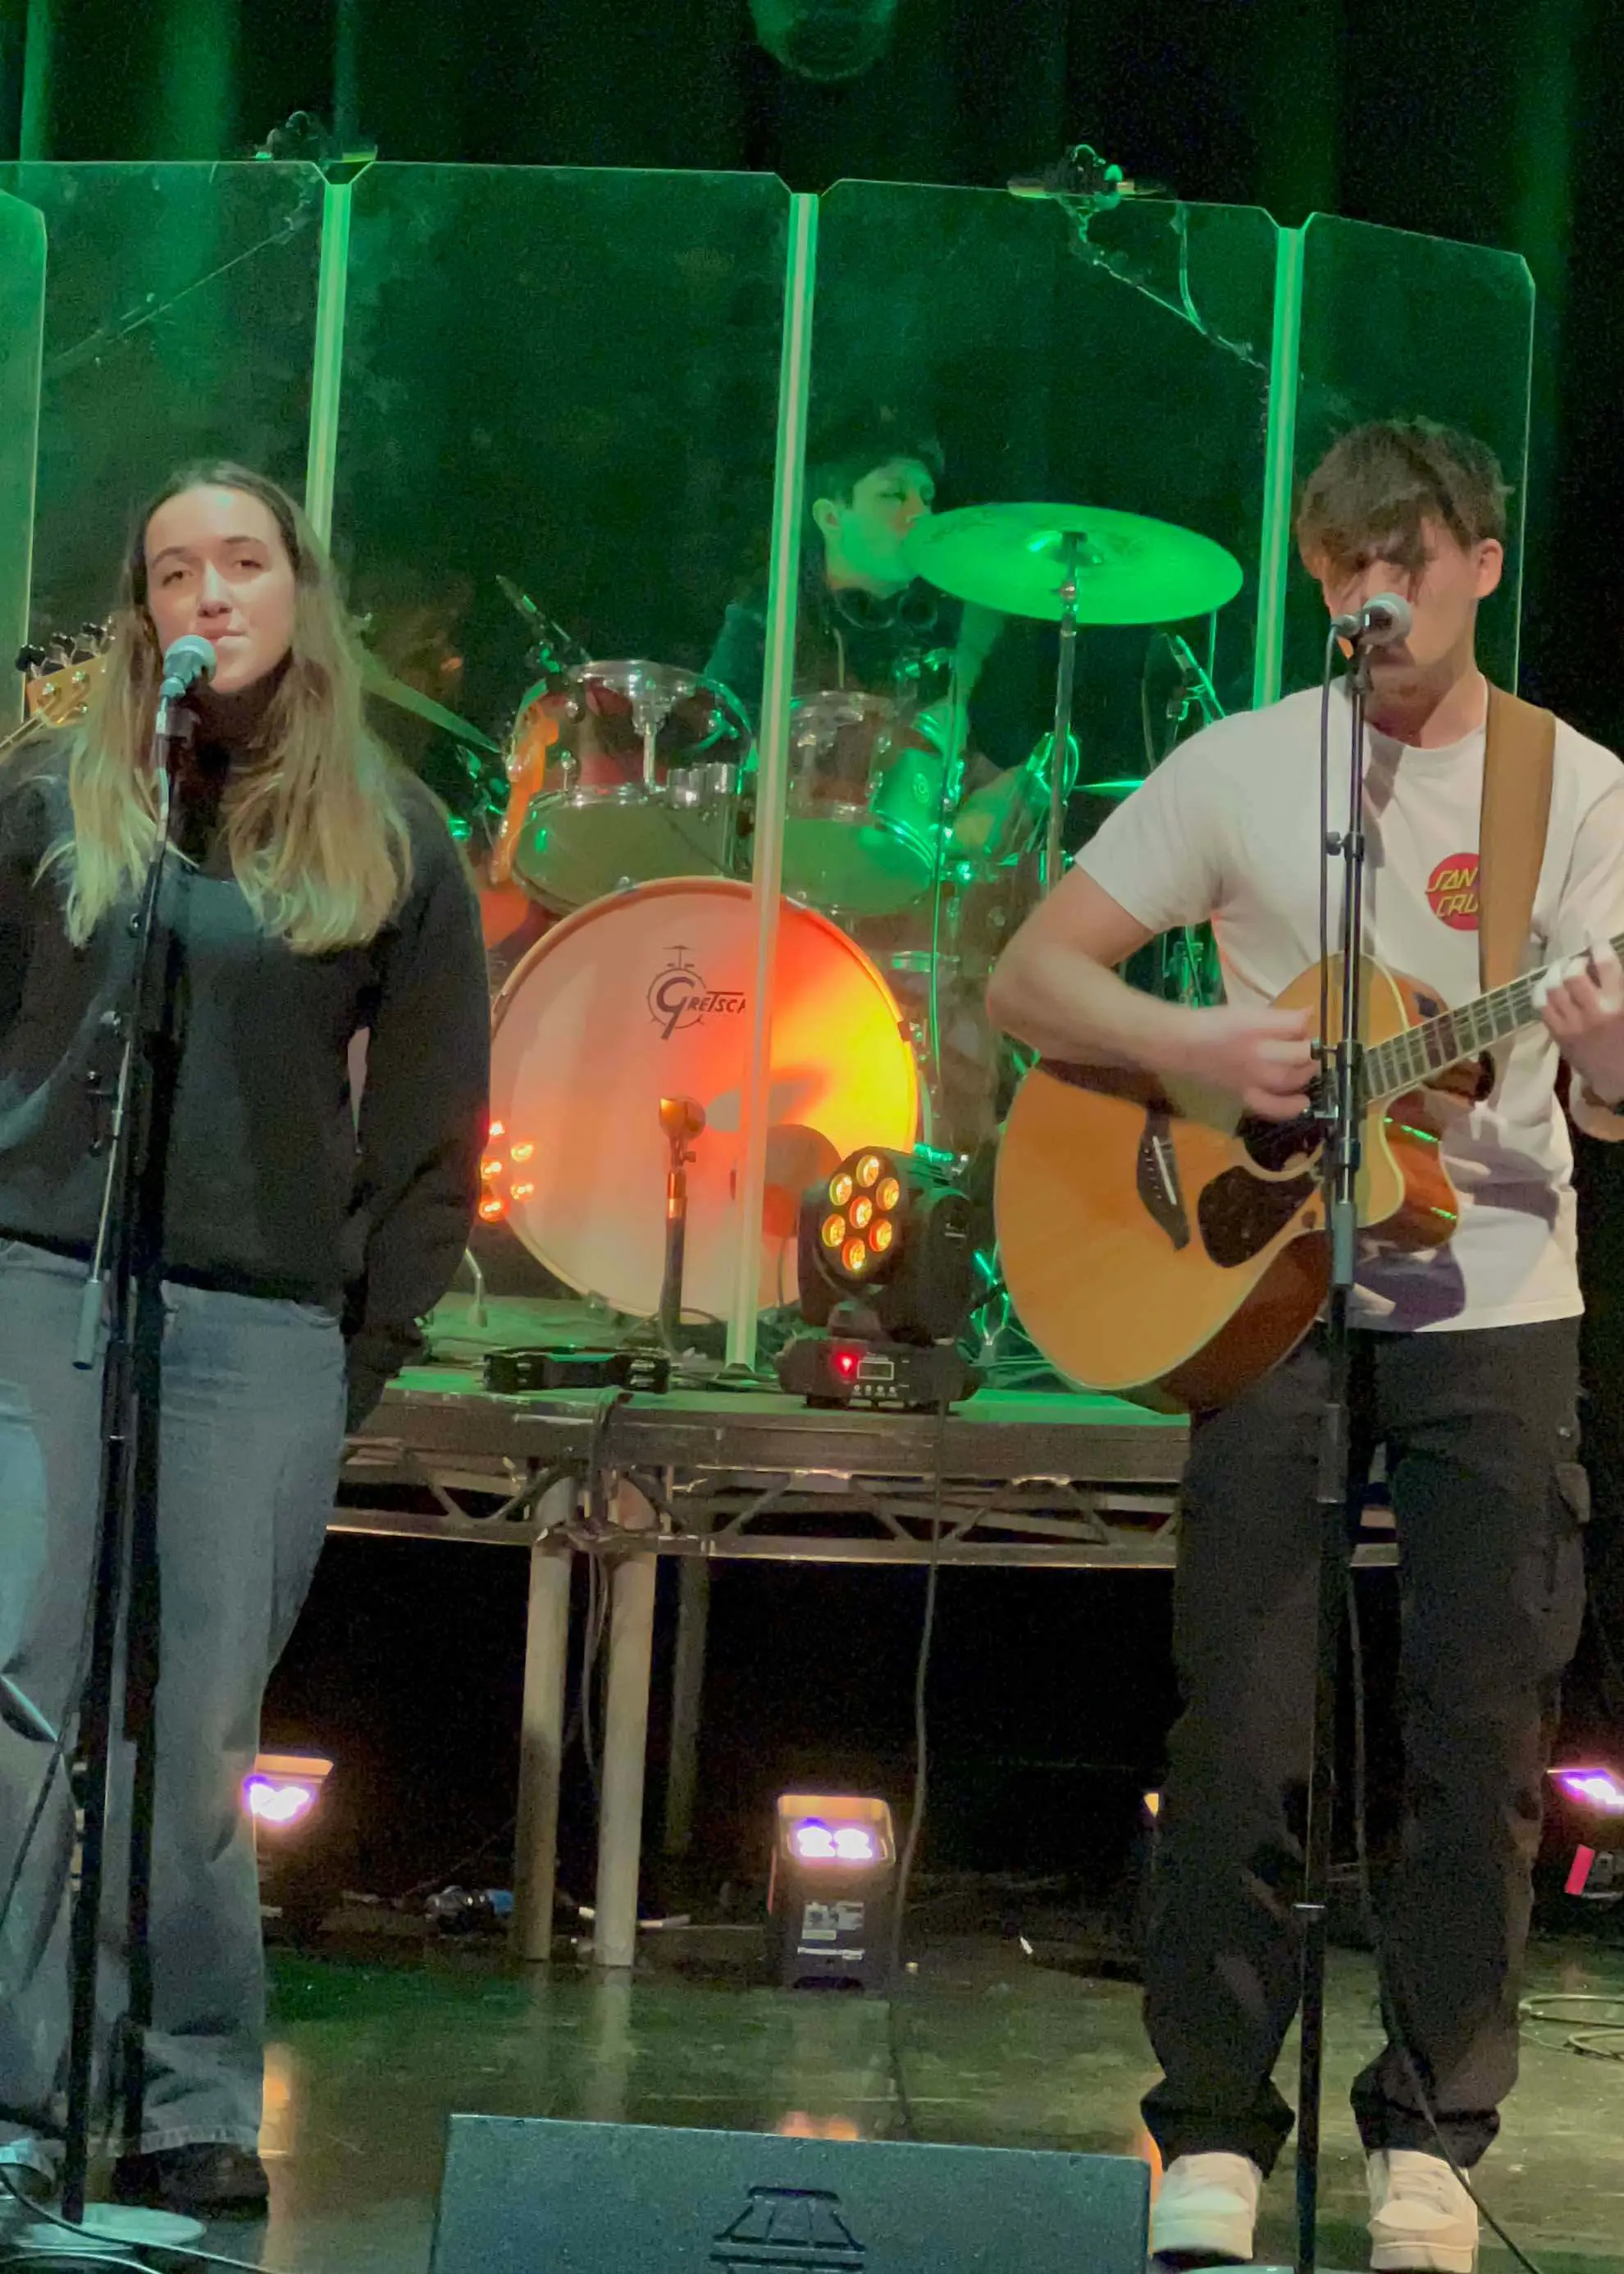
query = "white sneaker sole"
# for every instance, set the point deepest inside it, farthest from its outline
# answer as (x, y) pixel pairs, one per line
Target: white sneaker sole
(1424, 2258)
(1196, 2235)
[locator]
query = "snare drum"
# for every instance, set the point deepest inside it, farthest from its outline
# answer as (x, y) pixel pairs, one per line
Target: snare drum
(640, 767)
(871, 781)
(649, 995)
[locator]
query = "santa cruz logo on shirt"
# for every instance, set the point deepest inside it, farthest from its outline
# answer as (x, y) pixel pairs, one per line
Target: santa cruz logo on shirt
(1452, 892)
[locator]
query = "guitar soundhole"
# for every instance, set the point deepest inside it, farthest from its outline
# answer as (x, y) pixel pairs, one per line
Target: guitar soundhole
(1275, 1145)
(1239, 1215)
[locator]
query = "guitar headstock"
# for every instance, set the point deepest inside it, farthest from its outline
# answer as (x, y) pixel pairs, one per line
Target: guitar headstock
(58, 676)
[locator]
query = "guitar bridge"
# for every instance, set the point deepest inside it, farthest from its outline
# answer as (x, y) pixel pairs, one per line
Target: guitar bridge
(1159, 1187)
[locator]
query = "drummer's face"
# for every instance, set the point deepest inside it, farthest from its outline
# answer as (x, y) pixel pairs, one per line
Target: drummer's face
(864, 535)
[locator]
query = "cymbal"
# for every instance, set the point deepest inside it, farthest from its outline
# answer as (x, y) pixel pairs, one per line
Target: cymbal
(379, 680)
(1117, 788)
(1129, 568)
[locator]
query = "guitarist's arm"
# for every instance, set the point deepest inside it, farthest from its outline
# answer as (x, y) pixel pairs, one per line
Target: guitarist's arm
(1054, 988)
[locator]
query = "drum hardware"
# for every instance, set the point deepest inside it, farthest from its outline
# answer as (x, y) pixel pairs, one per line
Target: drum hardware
(644, 998)
(478, 1311)
(1065, 676)
(634, 771)
(552, 649)
(379, 680)
(1131, 569)
(1187, 960)
(872, 777)
(1072, 565)
(681, 1118)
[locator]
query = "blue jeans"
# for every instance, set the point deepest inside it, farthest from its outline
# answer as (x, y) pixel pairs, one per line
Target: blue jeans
(252, 1428)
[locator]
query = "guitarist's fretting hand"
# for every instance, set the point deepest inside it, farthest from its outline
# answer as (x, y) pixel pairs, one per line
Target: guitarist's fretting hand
(1583, 1008)
(1263, 1055)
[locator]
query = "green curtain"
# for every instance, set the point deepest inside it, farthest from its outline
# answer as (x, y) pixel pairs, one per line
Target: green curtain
(1498, 125)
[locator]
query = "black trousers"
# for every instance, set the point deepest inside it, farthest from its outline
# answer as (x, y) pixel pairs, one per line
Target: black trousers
(1482, 1443)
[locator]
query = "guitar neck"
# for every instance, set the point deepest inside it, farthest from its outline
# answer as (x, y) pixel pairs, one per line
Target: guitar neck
(1409, 1059)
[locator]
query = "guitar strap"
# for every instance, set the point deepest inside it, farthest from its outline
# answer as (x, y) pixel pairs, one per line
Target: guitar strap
(1519, 748)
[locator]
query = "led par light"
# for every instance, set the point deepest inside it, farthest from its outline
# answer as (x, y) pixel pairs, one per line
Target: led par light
(830, 1903)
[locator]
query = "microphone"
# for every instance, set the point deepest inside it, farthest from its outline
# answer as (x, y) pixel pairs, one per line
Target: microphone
(185, 662)
(1380, 623)
(680, 1118)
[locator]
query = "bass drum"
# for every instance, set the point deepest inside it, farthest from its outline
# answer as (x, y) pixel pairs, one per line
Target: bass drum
(650, 994)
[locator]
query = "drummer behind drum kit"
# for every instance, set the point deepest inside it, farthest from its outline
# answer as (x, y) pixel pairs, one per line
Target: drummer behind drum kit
(628, 824)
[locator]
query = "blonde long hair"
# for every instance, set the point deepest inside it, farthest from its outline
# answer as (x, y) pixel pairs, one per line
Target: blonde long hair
(312, 821)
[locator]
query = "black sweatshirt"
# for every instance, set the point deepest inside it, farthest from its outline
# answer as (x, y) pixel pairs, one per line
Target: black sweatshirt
(269, 1188)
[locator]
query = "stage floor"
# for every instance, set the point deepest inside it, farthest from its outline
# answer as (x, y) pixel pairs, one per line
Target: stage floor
(370, 2053)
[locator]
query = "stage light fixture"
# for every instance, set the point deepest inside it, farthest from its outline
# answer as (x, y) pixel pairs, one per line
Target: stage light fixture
(283, 1788)
(1594, 1788)
(301, 1865)
(1589, 1810)
(887, 1266)
(833, 1884)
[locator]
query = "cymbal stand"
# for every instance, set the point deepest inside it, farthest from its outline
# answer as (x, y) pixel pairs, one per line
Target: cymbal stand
(1065, 679)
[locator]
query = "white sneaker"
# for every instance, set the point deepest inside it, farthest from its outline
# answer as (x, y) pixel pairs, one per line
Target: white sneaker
(1422, 2219)
(1206, 2206)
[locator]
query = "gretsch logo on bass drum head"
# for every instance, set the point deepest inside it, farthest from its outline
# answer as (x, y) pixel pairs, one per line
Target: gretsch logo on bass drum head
(679, 997)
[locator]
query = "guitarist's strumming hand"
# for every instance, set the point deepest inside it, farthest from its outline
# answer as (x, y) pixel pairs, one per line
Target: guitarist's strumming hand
(1263, 1055)
(1583, 1008)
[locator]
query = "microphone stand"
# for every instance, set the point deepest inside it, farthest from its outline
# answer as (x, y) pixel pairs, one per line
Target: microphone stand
(1341, 1110)
(124, 1291)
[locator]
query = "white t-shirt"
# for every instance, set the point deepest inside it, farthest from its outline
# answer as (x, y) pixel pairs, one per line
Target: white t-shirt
(1228, 827)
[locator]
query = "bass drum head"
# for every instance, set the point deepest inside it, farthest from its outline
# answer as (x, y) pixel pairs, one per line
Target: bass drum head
(650, 994)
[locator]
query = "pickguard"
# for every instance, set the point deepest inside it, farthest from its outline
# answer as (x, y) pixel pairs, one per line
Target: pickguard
(1239, 1214)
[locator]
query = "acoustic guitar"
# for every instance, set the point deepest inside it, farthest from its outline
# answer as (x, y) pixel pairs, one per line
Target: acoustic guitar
(1158, 1243)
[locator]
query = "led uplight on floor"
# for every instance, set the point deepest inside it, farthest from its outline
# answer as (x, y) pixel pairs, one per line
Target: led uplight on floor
(1588, 1809)
(285, 1788)
(286, 1796)
(828, 1905)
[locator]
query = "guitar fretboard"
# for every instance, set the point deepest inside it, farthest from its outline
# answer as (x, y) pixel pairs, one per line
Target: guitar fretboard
(1407, 1060)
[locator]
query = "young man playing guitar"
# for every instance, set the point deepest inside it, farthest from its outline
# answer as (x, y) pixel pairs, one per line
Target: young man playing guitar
(1465, 1359)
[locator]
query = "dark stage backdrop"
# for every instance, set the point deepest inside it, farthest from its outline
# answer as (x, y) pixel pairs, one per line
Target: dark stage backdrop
(1497, 123)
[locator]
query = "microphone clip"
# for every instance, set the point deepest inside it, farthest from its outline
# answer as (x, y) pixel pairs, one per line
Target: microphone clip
(1082, 182)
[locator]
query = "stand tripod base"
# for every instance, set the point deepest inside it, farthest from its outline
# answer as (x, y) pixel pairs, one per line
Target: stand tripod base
(111, 2225)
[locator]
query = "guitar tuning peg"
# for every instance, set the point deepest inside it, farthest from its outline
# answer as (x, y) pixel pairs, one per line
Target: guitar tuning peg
(30, 657)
